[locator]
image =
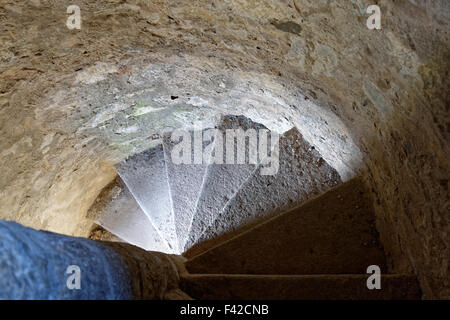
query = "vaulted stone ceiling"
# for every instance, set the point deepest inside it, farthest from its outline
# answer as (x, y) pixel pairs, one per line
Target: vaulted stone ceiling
(75, 102)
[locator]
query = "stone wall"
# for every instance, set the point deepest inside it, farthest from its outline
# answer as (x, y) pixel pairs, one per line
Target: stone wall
(74, 102)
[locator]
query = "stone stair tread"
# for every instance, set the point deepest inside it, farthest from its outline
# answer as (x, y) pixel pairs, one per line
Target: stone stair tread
(222, 181)
(145, 175)
(185, 181)
(303, 173)
(298, 287)
(332, 234)
(117, 211)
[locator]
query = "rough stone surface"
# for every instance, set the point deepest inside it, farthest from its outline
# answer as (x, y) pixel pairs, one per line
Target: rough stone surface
(78, 110)
(117, 211)
(222, 180)
(185, 181)
(154, 274)
(75, 102)
(33, 265)
(317, 287)
(332, 234)
(145, 175)
(100, 234)
(303, 174)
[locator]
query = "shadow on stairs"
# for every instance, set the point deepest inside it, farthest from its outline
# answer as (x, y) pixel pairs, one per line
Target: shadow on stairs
(319, 250)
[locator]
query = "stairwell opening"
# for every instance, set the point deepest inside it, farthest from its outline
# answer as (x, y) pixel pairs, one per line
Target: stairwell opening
(267, 100)
(370, 102)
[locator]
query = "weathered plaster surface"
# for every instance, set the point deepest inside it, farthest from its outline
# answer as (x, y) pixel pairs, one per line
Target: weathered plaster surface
(73, 103)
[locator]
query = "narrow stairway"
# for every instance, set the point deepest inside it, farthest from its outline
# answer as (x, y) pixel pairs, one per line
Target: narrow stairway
(297, 234)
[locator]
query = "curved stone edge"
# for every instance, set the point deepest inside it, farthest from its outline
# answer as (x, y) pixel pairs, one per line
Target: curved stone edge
(154, 275)
(33, 265)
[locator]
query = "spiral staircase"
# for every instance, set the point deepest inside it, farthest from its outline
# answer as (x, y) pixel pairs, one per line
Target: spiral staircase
(299, 234)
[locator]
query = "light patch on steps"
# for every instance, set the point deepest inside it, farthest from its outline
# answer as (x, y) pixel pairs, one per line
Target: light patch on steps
(185, 181)
(117, 211)
(145, 175)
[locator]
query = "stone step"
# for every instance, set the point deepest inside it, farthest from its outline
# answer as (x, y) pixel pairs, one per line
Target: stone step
(117, 211)
(299, 287)
(223, 180)
(332, 234)
(302, 174)
(185, 179)
(145, 175)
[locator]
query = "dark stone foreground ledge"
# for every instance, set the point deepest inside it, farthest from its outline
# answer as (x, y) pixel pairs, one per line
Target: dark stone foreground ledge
(33, 265)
